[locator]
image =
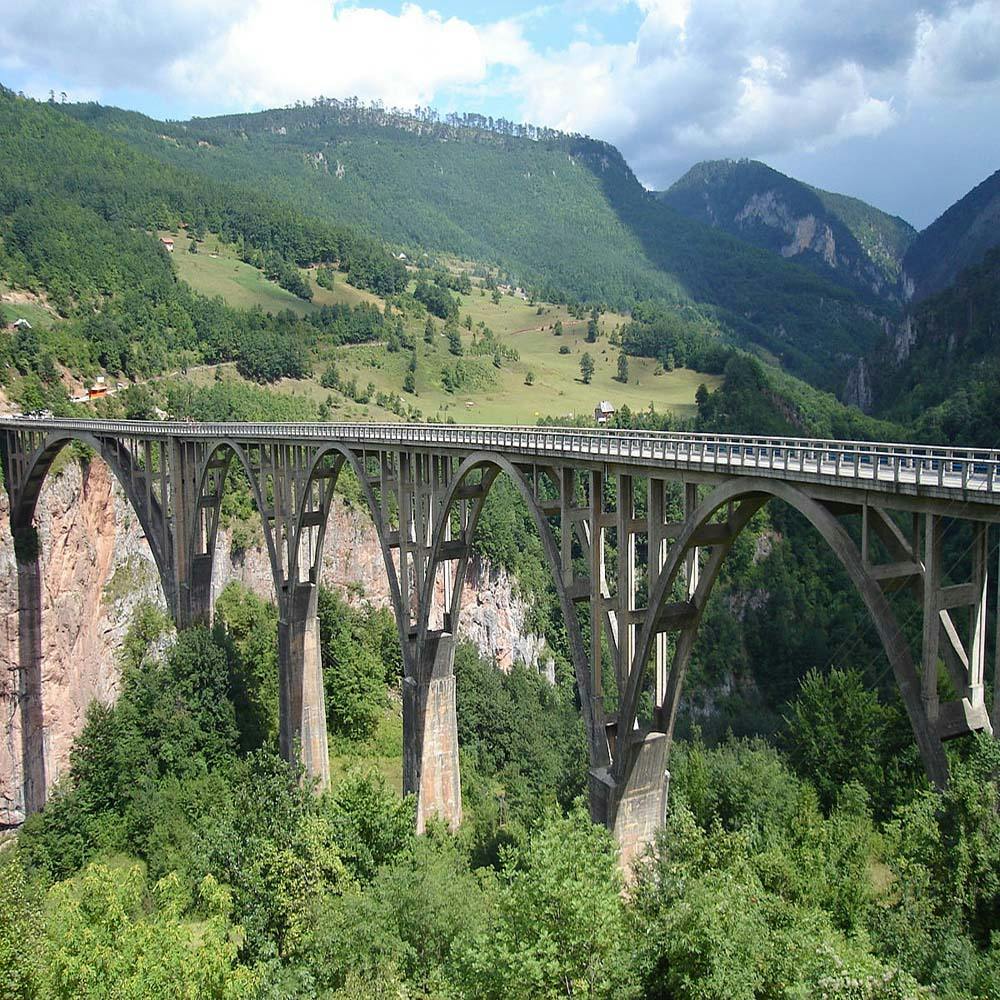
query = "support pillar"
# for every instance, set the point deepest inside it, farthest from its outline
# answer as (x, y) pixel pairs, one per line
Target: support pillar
(430, 733)
(29, 675)
(195, 603)
(633, 808)
(301, 705)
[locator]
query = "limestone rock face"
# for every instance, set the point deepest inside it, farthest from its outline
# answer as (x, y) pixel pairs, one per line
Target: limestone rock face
(97, 568)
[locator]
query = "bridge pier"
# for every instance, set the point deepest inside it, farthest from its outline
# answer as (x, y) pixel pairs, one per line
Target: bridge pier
(29, 675)
(634, 807)
(430, 733)
(194, 605)
(301, 705)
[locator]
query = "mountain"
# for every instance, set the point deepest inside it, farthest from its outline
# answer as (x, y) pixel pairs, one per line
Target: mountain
(958, 239)
(939, 369)
(842, 238)
(561, 214)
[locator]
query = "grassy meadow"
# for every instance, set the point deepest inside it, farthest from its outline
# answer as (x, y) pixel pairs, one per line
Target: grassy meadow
(487, 394)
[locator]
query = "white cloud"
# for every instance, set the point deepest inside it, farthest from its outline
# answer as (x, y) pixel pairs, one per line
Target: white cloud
(700, 78)
(273, 55)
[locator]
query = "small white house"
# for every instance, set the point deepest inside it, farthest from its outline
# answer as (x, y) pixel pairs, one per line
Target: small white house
(603, 412)
(21, 324)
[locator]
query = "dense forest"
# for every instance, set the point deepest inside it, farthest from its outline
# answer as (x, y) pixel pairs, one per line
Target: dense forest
(77, 213)
(182, 856)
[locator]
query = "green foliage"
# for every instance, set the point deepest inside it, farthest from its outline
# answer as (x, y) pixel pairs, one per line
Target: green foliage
(102, 940)
(555, 925)
(354, 674)
(76, 211)
(838, 733)
(586, 368)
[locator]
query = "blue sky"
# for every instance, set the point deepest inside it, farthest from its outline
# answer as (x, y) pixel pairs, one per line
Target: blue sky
(887, 100)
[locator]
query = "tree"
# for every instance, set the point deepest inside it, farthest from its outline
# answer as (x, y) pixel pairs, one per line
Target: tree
(455, 341)
(591, 330)
(557, 330)
(836, 733)
(586, 368)
(701, 398)
(430, 330)
(410, 383)
(557, 925)
(529, 379)
(622, 375)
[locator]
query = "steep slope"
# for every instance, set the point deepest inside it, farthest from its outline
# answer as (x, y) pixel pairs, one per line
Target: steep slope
(842, 238)
(561, 214)
(939, 370)
(958, 239)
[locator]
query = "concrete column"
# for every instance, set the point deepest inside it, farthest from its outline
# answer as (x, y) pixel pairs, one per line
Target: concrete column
(301, 705)
(430, 734)
(29, 675)
(194, 602)
(634, 808)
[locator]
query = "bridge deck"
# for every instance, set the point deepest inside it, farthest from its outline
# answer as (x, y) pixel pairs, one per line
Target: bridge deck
(961, 475)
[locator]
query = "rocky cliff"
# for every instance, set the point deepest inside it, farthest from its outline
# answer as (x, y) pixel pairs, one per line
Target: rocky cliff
(97, 568)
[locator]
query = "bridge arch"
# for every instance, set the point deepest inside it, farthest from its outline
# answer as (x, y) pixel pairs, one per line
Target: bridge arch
(752, 494)
(329, 462)
(493, 466)
(24, 488)
(122, 463)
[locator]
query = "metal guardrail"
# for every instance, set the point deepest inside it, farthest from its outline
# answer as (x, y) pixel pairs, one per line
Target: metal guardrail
(958, 471)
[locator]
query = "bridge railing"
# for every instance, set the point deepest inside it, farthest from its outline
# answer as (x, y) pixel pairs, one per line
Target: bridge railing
(965, 469)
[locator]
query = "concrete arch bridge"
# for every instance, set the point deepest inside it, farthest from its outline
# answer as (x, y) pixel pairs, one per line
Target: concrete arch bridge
(666, 507)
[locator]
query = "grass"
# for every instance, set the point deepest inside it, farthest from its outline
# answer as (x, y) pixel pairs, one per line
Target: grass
(384, 751)
(500, 395)
(215, 270)
(488, 394)
(34, 312)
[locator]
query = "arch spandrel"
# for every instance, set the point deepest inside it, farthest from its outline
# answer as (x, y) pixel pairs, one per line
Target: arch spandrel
(757, 493)
(148, 508)
(498, 465)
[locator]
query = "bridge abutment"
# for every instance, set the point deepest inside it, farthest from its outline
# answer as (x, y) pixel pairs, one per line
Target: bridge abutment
(430, 734)
(302, 708)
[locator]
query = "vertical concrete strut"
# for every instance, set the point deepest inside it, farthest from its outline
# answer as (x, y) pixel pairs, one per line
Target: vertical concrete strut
(301, 703)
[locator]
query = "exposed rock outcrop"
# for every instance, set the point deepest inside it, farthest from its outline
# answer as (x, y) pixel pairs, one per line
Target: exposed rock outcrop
(97, 568)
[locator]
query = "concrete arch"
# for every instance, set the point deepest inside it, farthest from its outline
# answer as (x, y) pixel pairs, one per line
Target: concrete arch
(151, 520)
(352, 460)
(24, 493)
(753, 494)
(597, 742)
(235, 451)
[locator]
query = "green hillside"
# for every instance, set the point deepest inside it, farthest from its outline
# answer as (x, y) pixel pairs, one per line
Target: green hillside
(560, 214)
(842, 238)
(958, 239)
(940, 372)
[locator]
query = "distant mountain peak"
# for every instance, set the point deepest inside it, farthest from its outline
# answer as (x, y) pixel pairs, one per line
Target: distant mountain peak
(840, 237)
(958, 239)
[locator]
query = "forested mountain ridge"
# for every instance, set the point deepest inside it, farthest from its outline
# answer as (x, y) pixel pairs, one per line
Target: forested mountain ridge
(839, 237)
(958, 239)
(562, 214)
(938, 371)
(78, 214)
